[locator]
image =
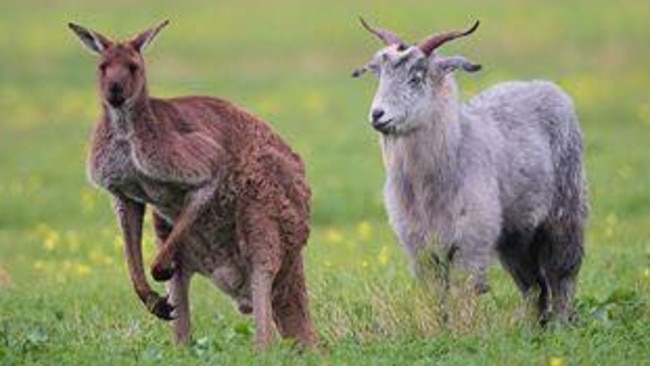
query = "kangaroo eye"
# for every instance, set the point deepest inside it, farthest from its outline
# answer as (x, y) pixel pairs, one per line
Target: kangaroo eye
(133, 68)
(103, 66)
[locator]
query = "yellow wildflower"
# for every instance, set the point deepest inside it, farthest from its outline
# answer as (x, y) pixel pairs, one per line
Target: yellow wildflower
(383, 256)
(52, 238)
(611, 222)
(41, 228)
(645, 275)
(66, 265)
(117, 242)
(88, 201)
(73, 241)
(364, 230)
(95, 255)
(314, 102)
(98, 257)
(59, 277)
(107, 260)
(81, 269)
(556, 361)
(333, 236)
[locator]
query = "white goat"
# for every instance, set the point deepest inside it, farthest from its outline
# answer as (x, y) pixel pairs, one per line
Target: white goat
(501, 173)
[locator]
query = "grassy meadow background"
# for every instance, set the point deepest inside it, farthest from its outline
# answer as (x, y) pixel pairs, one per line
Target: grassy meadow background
(65, 297)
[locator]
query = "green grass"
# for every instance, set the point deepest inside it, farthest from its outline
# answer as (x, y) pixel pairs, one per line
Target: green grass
(65, 297)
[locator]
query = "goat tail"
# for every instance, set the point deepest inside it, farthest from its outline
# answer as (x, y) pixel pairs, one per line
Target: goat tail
(571, 195)
(565, 226)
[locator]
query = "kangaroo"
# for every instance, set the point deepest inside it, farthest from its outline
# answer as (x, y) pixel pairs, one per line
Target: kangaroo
(229, 197)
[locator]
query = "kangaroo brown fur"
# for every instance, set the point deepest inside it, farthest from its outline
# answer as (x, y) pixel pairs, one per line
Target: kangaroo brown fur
(229, 198)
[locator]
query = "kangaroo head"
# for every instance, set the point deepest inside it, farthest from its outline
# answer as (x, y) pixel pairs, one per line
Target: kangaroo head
(120, 72)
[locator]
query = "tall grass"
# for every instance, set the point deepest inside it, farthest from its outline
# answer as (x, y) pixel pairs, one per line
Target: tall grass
(65, 297)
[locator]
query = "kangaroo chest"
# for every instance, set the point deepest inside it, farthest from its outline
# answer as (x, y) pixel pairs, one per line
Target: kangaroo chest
(113, 168)
(211, 244)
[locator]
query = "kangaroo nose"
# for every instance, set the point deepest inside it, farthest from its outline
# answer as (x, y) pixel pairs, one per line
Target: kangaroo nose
(115, 95)
(377, 114)
(115, 89)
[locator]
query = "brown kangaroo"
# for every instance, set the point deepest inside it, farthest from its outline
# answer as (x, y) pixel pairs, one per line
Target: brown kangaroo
(229, 198)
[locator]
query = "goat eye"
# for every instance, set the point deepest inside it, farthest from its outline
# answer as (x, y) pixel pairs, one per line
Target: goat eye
(415, 79)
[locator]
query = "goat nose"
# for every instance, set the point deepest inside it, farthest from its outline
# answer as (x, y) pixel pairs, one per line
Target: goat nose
(377, 114)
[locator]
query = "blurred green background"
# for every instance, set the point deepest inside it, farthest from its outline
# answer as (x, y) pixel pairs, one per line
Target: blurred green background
(65, 297)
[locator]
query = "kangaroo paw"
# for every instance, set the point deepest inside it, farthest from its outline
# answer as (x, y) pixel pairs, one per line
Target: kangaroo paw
(161, 271)
(160, 307)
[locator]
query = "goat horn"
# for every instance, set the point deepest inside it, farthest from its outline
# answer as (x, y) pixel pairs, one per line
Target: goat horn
(430, 44)
(388, 37)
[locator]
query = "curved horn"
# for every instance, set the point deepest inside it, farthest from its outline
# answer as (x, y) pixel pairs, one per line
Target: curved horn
(430, 44)
(388, 37)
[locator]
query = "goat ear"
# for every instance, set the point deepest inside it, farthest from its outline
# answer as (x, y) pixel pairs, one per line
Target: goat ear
(359, 71)
(93, 40)
(142, 40)
(450, 64)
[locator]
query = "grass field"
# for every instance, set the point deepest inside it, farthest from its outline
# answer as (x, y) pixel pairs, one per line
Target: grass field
(65, 298)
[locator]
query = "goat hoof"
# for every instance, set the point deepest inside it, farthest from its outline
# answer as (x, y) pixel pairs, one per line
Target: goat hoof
(481, 288)
(245, 307)
(162, 273)
(161, 308)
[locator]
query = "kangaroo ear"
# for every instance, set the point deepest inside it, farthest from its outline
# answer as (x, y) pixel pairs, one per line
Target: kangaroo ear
(142, 40)
(93, 40)
(449, 64)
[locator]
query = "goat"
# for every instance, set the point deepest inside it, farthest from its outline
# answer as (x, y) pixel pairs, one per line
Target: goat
(501, 173)
(230, 199)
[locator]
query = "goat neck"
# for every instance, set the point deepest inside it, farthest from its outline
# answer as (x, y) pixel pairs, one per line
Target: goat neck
(428, 154)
